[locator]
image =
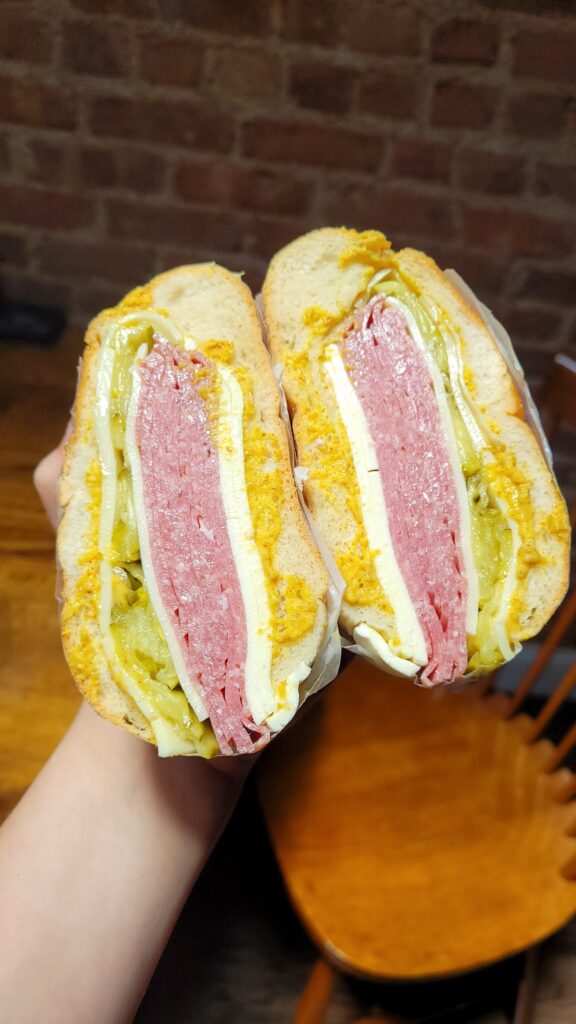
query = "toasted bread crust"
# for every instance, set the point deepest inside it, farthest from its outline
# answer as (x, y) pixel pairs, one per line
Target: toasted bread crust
(208, 303)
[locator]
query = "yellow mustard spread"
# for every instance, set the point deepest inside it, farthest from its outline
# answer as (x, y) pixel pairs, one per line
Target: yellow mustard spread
(291, 600)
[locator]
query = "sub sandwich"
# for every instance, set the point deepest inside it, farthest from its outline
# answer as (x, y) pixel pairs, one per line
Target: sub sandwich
(430, 488)
(193, 598)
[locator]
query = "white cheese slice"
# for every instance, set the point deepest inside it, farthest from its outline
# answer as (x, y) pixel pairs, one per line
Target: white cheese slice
(258, 686)
(286, 708)
(380, 653)
(412, 647)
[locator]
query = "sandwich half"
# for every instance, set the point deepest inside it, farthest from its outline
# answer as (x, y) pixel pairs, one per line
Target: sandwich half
(432, 491)
(194, 600)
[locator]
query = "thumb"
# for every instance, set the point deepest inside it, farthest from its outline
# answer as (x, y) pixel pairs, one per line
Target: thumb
(46, 478)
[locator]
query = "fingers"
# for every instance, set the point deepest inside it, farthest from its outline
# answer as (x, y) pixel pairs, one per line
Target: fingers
(46, 477)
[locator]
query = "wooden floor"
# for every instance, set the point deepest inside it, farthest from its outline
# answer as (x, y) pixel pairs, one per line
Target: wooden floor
(239, 954)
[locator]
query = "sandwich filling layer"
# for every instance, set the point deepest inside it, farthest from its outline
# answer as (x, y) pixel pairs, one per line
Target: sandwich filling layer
(190, 548)
(441, 530)
(395, 389)
(187, 562)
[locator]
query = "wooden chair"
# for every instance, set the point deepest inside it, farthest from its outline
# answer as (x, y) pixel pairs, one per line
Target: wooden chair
(426, 833)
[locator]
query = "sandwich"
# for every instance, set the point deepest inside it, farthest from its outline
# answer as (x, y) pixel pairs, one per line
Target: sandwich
(425, 470)
(194, 601)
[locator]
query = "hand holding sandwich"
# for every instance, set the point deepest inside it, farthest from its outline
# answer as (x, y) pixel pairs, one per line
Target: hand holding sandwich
(97, 860)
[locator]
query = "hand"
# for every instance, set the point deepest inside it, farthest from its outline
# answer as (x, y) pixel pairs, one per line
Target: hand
(98, 858)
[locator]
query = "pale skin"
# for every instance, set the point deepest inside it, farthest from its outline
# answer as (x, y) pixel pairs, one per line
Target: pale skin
(97, 860)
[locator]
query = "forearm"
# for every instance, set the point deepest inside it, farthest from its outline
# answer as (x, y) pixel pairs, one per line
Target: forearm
(95, 864)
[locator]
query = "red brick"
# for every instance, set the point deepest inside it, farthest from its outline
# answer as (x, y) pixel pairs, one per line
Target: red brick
(462, 41)
(543, 284)
(24, 37)
(535, 116)
(126, 168)
(99, 167)
(91, 299)
(420, 159)
(141, 171)
(563, 446)
(326, 87)
(116, 261)
(556, 181)
(485, 274)
(481, 170)
(42, 208)
(515, 233)
(459, 105)
(174, 225)
(252, 268)
(13, 249)
(183, 123)
(388, 31)
(94, 49)
(315, 145)
(549, 55)
(202, 181)
(174, 61)
(266, 235)
(127, 8)
(24, 286)
(36, 104)
(390, 209)
(248, 18)
(535, 360)
(5, 154)
(532, 323)
(552, 7)
(387, 94)
(364, 26)
(442, 252)
(244, 76)
(50, 163)
(174, 255)
(319, 22)
(242, 188)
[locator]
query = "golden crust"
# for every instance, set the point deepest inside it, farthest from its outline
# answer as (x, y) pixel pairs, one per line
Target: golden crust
(77, 533)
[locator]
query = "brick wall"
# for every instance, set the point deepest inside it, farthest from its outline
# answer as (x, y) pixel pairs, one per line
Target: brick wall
(135, 134)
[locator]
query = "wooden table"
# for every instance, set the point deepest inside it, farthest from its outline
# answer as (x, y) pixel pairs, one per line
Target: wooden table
(37, 696)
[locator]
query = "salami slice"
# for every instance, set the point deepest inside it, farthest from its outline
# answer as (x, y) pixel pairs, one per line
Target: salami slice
(190, 548)
(395, 388)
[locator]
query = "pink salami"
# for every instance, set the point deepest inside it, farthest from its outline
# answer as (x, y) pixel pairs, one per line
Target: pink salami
(393, 383)
(190, 549)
